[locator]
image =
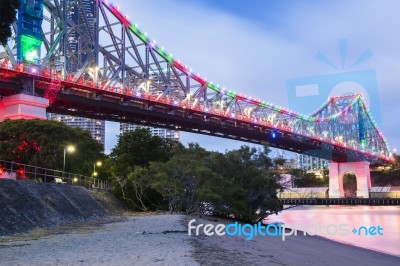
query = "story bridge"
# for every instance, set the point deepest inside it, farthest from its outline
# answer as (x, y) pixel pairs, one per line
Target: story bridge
(86, 58)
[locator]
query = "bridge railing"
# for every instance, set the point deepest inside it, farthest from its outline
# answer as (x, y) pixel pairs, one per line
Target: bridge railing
(318, 195)
(342, 201)
(13, 170)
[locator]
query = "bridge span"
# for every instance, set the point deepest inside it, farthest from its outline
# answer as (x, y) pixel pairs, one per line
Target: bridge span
(120, 74)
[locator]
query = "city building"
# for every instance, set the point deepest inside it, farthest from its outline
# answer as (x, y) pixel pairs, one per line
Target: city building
(307, 162)
(160, 132)
(290, 164)
(79, 49)
(94, 126)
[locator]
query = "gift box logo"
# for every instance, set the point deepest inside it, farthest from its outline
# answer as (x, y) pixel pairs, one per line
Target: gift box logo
(307, 94)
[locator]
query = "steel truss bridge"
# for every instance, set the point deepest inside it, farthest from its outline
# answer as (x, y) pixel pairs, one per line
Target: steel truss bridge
(107, 68)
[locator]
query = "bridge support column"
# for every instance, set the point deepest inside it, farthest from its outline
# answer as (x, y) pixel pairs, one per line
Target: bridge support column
(335, 181)
(337, 172)
(22, 106)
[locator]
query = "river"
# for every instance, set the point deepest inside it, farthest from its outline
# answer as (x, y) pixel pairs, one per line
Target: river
(377, 227)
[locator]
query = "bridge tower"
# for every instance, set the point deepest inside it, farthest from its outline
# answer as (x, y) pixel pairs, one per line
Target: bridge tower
(348, 121)
(23, 106)
(337, 172)
(28, 41)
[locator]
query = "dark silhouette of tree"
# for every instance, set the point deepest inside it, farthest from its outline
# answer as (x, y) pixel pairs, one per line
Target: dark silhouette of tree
(8, 12)
(389, 175)
(42, 143)
(151, 173)
(304, 179)
(128, 163)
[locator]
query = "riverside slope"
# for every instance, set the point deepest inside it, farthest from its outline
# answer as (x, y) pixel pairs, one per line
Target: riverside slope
(25, 205)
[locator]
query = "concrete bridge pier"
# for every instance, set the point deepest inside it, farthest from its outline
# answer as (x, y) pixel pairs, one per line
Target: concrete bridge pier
(337, 172)
(23, 106)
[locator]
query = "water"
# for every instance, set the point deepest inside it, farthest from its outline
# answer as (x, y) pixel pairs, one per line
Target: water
(329, 218)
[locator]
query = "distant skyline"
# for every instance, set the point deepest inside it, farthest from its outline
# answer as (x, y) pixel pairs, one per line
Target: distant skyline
(255, 47)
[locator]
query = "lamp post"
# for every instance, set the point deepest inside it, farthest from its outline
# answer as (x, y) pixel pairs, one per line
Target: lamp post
(70, 149)
(98, 163)
(94, 168)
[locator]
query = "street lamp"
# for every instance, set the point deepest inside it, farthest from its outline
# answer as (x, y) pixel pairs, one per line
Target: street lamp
(98, 164)
(70, 149)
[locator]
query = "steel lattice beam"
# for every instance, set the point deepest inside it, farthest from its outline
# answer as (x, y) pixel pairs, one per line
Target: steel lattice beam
(118, 63)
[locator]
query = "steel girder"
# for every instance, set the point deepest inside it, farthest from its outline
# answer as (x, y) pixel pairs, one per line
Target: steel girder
(98, 44)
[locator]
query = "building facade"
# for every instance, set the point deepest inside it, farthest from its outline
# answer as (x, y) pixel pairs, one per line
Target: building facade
(159, 132)
(290, 164)
(95, 127)
(307, 162)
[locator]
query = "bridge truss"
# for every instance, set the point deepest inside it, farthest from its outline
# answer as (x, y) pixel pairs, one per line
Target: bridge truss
(106, 67)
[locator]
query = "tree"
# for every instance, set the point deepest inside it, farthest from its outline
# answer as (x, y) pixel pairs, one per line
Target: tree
(180, 179)
(140, 182)
(138, 148)
(167, 184)
(304, 179)
(389, 176)
(128, 167)
(8, 12)
(396, 164)
(279, 162)
(42, 143)
(250, 183)
(151, 173)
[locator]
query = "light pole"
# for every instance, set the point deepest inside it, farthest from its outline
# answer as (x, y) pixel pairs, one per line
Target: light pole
(70, 149)
(94, 168)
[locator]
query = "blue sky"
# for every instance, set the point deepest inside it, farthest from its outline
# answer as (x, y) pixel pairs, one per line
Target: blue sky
(255, 47)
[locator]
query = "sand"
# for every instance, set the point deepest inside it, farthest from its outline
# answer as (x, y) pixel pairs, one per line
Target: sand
(299, 250)
(136, 240)
(163, 240)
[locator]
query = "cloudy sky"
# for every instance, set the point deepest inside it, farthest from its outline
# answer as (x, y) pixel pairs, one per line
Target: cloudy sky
(257, 46)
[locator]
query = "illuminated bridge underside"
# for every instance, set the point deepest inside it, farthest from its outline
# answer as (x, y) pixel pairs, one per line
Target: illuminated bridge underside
(125, 76)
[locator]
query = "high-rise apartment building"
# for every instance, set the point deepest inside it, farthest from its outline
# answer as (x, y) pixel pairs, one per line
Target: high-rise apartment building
(95, 127)
(76, 54)
(307, 162)
(160, 132)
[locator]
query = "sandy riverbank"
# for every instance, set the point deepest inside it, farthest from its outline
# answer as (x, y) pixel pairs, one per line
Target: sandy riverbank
(163, 240)
(299, 250)
(130, 240)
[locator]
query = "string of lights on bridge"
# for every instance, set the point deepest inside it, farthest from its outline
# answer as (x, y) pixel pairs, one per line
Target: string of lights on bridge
(32, 70)
(57, 78)
(203, 81)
